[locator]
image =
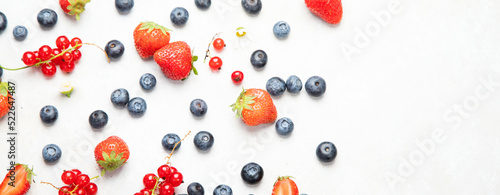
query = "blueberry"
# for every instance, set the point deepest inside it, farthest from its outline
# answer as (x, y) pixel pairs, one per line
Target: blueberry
(114, 49)
(258, 59)
(203, 140)
(98, 119)
(284, 126)
(203, 4)
(124, 6)
(3, 22)
(47, 18)
(137, 107)
(120, 97)
(281, 29)
(293, 84)
(275, 86)
(51, 153)
(223, 190)
(195, 188)
(179, 16)
(198, 107)
(1, 72)
(20, 33)
(252, 6)
(49, 114)
(252, 173)
(315, 86)
(169, 140)
(147, 81)
(326, 152)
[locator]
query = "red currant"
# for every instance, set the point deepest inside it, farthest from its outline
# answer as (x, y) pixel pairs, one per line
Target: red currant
(76, 55)
(76, 41)
(36, 54)
(166, 189)
(215, 63)
(76, 171)
(45, 52)
(164, 171)
(176, 179)
(80, 191)
(91, 189)
(57, 61)
(219, 44)
(62, 42)
(64, 190)
(67, 67)
(173, 170)
(29, 58)
(145, 191)
(237, 77)
(82, 180)
(138, 193)
(68, 177)
(67, 57)
(149, 181)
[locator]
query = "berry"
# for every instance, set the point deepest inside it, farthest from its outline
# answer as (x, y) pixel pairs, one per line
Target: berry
(149, 181)
(284, 126)
(198, 107)
(326, 152)
(98, 119)
(176, 60)
(258, 59)
(252, 6)
(19, 176)
(51, 153)
(147, 81)
(215, 63)
(166, 189)
(111, 153)
(285, 185)
(275, 86)
(82, 180)
(64, 190)
(55, 52)
(3, 22)
(67, 57)
(255, 107)
(114, 49)
(176, 179)
(80, 191)
(281, 29)
(195, 189)
(237, 77)
(315, 86)
(120, 97)
(73, 7)
(45, 52)
(203, 140)
(169, 140)
(49, 114)
(1, 72)
(223, 190)
(149, 37)
(145, 191)
(293, 84)
(219, 44)
(20, 33)
(67, 67)
(75, 41)
(68, 177)
(164, 172)
(179, 16)
(62, 42)
(29, 58)
(47, 18)
(328, 10)
(252, 173)
(124, 6)
(76, 171)
(91, 189)
(49, 69)
(76, 55)
(137, 107)
(203, 4)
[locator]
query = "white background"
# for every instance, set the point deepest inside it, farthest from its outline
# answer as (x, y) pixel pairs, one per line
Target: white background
(399, 88)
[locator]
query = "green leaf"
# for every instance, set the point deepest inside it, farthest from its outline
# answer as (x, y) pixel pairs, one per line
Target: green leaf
(105, 156)
(195, 71)
(112, 155)
(195, 58)
(4, 89)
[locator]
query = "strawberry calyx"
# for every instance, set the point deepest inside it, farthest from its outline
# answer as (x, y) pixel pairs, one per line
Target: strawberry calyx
(111, 161)
(76, 7)
(29, 172)
(243, 102)
(4, 89)
(281, 178)
(150, 26)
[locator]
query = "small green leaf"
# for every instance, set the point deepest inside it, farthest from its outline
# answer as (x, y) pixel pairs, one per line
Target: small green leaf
(112, 155)
(195, 58)
(195, 71)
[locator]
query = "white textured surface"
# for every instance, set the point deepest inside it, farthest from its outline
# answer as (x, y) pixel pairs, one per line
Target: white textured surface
(401, 86)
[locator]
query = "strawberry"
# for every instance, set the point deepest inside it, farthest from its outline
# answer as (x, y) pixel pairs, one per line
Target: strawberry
(328, 10)
(255, 107)
(111, 153)
(176, 60)
(73, 7)
(150, 37)
(4, 99)
(285, 186)
(17, 181)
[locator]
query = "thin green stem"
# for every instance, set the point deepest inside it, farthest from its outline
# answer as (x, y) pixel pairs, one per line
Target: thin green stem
(13, 69)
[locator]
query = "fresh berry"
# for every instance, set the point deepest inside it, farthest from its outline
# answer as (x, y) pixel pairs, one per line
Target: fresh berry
(76, 55)
(293, 84)
(137, 107)
(114, 49)
(281, 29)
(195, 188)
(80, 191)
(111, 153)
(29, 58)
(49, 69)
(19, 176)
(203, 140)
(68, 177)
(55, 52)
(62, 42)
(73, 7)
(275, 86)
(315, 86)
(215, 63)
(64, 190)
(164, 172)
(326, 152)
(124, 6)
(47, 18)
(237, 77)
(176, 179)
(223, 190)
(176, 60)
(1, 72)
(252, 6)
(285, 186)
(219, 44)
(179, 16)
(67, 57)
(20, 33)
(203, 4)
(198, 107)
(169, 140)
(328, 10)
(149, 181)
(91, 189)
(45, 52)
(3, 22)
(284, 126)
(76, 171)
(166, 189)
(49, 114)
(120, 97)
(252, 173)
(76, 41)
(255, 107)
(82, 180)
(258, 59)
(147, 81)
(67, 67)
(149, 37)
(51, 153)
(145, 191)
(98, 119)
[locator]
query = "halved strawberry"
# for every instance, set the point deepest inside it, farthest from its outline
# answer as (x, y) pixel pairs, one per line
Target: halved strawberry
(73, 7)
(285, 186)
(17, 181)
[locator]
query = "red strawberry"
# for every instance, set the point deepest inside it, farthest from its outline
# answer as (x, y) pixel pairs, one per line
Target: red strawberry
(328, 10)
(17, 181)
(111, 153)
(4, 99)
(73, 7)
(150, 37)
(176, 60)
(285, 186)
(255, 107)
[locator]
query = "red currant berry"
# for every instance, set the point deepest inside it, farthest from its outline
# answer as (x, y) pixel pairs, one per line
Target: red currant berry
(76, 55)
(176, 179)
(64, 190)
(67, 67)
(166, 189)
(62, 42)
(67, 57)
(49, 69)
(29, 58)
(82, 180)
(68, 177)
(80, 191)
(145, 191)
(36, 54)
(91, 189)
(76, 41)
(149, 181)
(45, 52)
(215, 63)
(164, 171)
(237, 77)
(138, 193)
(219, 44)
(173, 170)
(76, 171)
(57, 61)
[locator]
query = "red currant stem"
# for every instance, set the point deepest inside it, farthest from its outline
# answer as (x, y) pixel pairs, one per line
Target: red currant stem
(76, 188)
(156, 186)
(94, 177)
(109, 60)
(172, 152)
(13, 69)
(207, 54)
(42, 182)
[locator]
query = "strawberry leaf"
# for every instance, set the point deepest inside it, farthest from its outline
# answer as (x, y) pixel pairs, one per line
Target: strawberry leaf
(4, 86)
